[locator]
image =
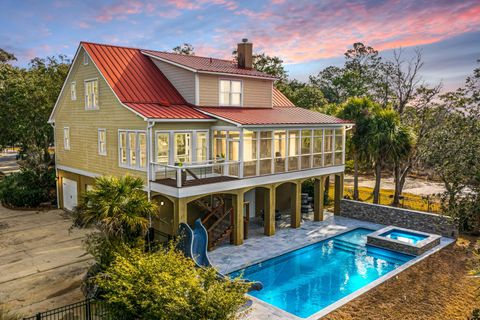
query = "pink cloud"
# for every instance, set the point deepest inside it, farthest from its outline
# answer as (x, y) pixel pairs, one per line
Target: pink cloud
(302, 33)
(120, 10)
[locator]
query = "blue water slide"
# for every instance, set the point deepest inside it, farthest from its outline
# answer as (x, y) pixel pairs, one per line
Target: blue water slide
(194, 243)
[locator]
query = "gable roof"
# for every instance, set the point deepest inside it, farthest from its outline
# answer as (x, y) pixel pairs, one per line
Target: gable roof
(206, 65)
(280, 100)
(139, 84)
(272, 116)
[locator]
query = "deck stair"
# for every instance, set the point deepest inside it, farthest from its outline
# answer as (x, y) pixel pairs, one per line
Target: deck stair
(218, 220)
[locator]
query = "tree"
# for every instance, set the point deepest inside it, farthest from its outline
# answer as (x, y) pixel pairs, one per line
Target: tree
(6, 56)
(303, 95)
(360, 111)
(166, 285)
(186, 49)
(387, 142)
(27, 97)
(118, 207)
(268, 64)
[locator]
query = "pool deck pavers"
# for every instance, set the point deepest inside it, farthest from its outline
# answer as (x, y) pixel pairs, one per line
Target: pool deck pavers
(258, 248)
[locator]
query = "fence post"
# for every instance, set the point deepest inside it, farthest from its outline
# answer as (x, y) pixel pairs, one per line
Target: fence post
(87, 310)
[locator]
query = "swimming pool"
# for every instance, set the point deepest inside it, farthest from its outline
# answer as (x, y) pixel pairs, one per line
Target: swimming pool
(404, 236)
(310, 279)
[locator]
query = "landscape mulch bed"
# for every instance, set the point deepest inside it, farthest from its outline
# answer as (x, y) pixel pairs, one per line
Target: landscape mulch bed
(439, 287)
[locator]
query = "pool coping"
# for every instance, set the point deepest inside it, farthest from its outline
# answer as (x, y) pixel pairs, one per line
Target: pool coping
(444, 242)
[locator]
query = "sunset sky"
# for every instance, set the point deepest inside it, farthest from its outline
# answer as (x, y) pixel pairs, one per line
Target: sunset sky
(307, 35)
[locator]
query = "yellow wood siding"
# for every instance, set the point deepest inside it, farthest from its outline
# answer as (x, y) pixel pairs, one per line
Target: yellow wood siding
(256, 92)
(84, 125)
(183, 80)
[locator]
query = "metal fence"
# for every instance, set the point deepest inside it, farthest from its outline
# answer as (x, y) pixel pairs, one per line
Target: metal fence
(84, 310)
(431, 203)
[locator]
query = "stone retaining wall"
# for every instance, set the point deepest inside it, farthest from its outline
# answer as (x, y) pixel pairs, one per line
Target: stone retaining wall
(404, 218)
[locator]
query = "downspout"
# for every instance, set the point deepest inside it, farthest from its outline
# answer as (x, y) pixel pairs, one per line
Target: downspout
(56, 171)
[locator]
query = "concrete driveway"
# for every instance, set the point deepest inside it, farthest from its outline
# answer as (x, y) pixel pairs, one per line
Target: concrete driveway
(41, 262)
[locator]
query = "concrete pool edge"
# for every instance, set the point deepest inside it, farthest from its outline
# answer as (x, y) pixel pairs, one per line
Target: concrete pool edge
(282, 314)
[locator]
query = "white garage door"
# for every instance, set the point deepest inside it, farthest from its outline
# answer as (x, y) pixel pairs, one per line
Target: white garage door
(69, 194)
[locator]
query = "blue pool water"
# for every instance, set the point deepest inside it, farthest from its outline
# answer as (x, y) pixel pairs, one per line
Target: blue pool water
(404, 236)
(307, 280)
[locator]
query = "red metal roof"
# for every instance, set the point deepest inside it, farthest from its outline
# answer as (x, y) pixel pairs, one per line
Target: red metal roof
(207, 64)
(279, 99)
(138, 83)
(157, 111)
(271, 116)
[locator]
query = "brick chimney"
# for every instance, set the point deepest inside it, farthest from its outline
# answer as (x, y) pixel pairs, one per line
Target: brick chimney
(244, 50)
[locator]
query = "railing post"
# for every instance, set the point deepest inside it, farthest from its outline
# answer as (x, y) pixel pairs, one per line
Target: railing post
(88, 310)
(179, 177)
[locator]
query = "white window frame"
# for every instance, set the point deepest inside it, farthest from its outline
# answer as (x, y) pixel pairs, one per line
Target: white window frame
(93, 107)
(85, 58)
(127, 148)
(73, 90)
(169, 134)
(229, 104)
(66, 138)
(100, 151)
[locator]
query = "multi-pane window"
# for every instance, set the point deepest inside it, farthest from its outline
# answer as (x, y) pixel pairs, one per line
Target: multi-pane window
(338, 146)
(328, 147)
(202, 146)
(133, 149)
(66, 138)
(102, 142)
(163, 147)
(220, 145)
(73, 90)
(91, 94)
(182, 147)
(230, 93)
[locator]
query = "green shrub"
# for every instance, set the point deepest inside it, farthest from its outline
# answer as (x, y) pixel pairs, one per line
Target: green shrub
(28, 188)
(167, 285)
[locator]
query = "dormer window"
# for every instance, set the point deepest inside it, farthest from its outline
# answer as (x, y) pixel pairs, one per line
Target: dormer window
(230, 93)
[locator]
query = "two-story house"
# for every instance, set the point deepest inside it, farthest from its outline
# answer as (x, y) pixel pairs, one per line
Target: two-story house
(211, 138)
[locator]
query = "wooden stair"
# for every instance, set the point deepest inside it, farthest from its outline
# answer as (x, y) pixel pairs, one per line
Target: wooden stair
(218, 220)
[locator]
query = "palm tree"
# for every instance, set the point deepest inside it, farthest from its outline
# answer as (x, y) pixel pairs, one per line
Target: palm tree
(118, 207)
(387, 141)
(358, 110)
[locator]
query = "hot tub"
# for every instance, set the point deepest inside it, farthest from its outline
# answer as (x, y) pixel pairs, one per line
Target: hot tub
(403, 240)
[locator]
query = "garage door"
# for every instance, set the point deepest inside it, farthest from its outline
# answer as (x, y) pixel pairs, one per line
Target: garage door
(69, 194)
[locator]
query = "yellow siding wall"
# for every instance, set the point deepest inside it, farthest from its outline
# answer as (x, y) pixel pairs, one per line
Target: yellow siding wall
(256, 92)
(84, 125)
(183, 80)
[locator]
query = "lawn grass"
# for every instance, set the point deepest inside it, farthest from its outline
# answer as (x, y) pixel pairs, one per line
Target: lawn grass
(409, 201)
(438, 287)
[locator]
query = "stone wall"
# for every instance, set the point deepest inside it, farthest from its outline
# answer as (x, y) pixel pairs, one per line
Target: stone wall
(415, 220)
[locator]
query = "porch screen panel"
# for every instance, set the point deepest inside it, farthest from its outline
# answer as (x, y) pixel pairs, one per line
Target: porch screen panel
(280, 145)
(305, 149)
(293, 150)
(233, 152)
(338, 146)
(266, 152)
(328, 147)
(317, 148)
(249, 153)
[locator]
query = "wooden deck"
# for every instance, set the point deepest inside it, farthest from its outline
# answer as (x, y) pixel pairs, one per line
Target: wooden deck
(194, 182)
